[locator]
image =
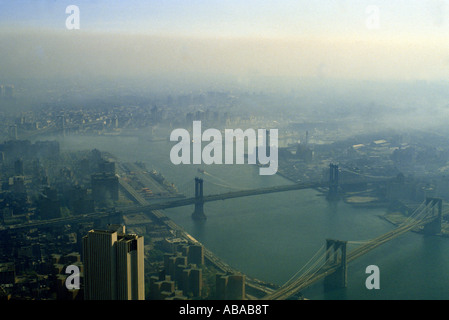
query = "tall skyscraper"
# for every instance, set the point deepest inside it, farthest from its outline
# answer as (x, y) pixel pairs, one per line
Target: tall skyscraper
(113, 265)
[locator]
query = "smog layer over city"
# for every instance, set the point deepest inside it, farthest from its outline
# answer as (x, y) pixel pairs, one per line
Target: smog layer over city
(224, 150)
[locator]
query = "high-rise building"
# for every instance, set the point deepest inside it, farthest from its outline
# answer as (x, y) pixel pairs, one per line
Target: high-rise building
(106, 166)
(113, 265)
(230, 286)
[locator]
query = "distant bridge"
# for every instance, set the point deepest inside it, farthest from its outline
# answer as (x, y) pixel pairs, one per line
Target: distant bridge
(200, 198)
(333, 186)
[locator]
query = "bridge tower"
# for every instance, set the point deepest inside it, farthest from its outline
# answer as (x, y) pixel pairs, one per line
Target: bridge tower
(198, 213)
(333, 182)
(336, 255)
(434, 227)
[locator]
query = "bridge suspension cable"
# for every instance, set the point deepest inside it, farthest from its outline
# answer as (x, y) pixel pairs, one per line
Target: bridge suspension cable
(418, 214)
(302, 274)
(223, 183)
(308, 274)
(186, 187)
(320, 257)
(301, 270)
(415, 213)
(365, 175)
(360, 242)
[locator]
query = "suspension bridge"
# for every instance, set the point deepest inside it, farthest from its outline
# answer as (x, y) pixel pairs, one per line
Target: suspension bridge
(331, 260)
(199, 199)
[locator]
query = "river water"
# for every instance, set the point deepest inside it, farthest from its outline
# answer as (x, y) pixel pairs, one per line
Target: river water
(272, 236)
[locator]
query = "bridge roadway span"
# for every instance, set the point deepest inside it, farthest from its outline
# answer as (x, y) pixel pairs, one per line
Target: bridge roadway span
(302, 283)
(215, 197)
(145, 206)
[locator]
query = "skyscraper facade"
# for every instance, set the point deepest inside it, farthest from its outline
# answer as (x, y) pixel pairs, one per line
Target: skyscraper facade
(113, 265)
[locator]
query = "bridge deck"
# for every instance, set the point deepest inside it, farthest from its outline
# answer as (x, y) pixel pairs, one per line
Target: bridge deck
(222, 196)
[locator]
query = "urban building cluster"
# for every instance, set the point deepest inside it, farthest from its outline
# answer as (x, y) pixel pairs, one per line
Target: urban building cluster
(112, 119)
(61, 209)
(182, 276)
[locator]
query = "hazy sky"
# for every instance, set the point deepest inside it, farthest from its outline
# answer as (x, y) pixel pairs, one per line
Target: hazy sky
(353, 39)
